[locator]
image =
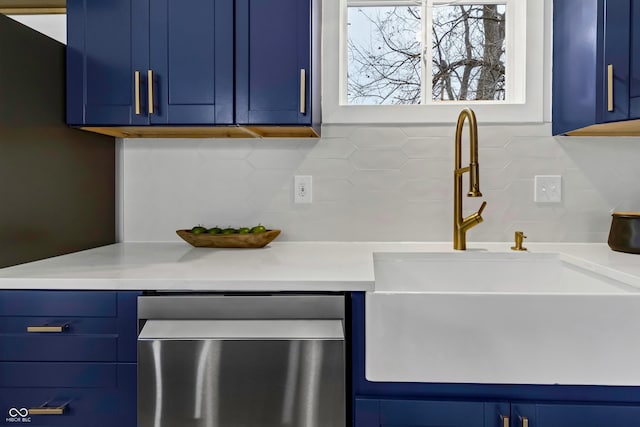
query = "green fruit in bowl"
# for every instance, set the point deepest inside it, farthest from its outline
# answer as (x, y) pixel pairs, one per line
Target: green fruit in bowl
(258, 229)
(229, 230)
(198, 229)
(214, 230)
(244, 230)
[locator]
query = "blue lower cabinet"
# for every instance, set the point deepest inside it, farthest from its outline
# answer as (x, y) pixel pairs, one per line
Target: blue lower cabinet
(68, 358)
(66, 326)
(70, 395)
(429, 413)
(440, 413)
(574, 415)
(59, 303)
(59, 348)
(366, 412)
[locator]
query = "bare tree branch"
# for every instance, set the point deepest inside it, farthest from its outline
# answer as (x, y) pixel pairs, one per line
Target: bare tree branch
(467, 46)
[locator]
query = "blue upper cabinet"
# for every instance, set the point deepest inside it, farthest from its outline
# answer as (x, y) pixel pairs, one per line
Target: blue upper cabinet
(104, 41)
(191, 57)
(596, 67)
(135, 63)
(634, 61)
(274, 67)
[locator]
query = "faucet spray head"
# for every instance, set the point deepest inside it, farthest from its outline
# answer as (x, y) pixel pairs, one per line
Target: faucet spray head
(474, 180)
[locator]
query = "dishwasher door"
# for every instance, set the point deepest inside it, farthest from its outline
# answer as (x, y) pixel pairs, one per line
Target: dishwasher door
(263, 371)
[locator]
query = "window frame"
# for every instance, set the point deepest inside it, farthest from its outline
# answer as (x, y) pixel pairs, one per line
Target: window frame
(524, 105)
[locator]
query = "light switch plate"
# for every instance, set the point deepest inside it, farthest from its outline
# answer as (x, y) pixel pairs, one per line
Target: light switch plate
(547, 189)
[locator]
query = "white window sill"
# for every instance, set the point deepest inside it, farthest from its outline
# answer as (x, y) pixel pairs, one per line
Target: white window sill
(427, 114)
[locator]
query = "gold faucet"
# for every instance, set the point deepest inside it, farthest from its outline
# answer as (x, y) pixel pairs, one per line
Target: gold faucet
(461, 225)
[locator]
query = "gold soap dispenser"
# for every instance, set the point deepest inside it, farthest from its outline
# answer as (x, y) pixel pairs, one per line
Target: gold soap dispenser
(519, 240)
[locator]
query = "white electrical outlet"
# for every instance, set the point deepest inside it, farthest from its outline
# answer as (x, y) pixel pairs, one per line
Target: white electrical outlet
(547, 189)
(302, 190)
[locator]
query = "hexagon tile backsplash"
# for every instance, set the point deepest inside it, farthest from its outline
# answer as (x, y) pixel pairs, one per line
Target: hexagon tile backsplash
(376, 183)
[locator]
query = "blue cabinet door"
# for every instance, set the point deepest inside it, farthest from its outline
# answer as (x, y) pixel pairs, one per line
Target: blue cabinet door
(634, 62)
(596, 63)
(191, 57)
(429, 413)
(273, 60)
(96, 395)
(140, 62)
(107, 41)
(559, 415)
(616, 36)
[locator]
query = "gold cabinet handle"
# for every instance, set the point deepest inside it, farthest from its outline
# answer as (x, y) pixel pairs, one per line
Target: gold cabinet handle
(525, 422)
(136, 80)
(610, 87)
(505, 421)
(46, 328)
(48, 410)
(150, 86)
(303, 91)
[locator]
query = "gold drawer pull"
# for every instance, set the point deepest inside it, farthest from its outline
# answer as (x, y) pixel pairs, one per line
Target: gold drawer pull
(46, 410)
(525, 422)
(610, 87)
(56, 329)
(505, 421)
(136, 80)
(150, 90)
(303, 91)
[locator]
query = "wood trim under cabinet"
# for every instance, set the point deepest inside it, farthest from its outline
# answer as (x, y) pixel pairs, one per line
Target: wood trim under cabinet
(625, 128)
(205, 132)
(26, 7)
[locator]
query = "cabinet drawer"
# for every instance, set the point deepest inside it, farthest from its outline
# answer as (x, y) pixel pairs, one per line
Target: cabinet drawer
(59, 303)
(96, 395)
(58, 375)
(83, 326)
(59, 348)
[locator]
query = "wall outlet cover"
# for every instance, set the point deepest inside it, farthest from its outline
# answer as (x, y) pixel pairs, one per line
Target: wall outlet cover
(302, 190)
(547, 189)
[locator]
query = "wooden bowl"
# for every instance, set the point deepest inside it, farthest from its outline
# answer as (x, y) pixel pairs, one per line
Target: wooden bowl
(249, 240)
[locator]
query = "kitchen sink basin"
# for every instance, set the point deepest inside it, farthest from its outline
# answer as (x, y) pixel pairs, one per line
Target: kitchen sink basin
(487, 317)
(481, 271)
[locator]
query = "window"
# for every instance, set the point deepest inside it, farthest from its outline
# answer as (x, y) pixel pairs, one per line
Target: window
(421, 61)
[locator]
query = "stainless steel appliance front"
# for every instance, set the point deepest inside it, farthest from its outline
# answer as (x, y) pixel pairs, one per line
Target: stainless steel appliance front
(273, 365)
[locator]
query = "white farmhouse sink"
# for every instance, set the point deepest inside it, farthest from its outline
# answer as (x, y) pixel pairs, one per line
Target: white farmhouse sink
(483, 317)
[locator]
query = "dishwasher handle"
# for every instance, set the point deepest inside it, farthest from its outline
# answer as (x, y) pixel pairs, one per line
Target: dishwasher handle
(253, 329)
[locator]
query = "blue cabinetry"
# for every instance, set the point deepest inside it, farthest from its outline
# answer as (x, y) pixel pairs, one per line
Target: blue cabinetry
(208, 62)
(398, 404)
(596, 66)
(572, 415)
(273, 62)
(438, 413)
(429, 413)
(68, 358)
(135, 63)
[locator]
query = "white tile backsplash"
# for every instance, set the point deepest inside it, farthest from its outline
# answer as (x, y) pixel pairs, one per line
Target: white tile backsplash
(381, 183)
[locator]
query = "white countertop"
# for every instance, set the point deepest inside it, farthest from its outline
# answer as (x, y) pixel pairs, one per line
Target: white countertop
(281, 266)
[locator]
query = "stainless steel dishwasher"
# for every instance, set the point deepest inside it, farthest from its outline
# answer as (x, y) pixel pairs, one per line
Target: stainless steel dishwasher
(241, 361)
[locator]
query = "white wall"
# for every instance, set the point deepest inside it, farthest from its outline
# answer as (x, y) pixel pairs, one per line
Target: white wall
(385, 183)
(377, 183)
(54, 26)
